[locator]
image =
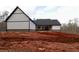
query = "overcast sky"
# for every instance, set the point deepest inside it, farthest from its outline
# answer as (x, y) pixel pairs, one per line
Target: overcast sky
(63, 10)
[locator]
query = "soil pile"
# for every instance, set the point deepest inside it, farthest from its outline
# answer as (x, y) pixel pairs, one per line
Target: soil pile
(38, 41)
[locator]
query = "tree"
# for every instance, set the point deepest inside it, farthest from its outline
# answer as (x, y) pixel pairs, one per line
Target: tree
(72, 26)
(64, 27)
(5, 14)
(69, 26)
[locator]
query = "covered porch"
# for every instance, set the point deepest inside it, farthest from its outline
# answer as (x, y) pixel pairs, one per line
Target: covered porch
(44, 28)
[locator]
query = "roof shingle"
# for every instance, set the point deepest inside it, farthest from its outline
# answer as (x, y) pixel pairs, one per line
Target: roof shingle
(47, 22)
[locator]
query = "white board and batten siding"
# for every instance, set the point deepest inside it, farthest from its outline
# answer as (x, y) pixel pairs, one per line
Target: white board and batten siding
(32, 26)
(17, 25)
(56, 27)
(18, 15)
(19, 20)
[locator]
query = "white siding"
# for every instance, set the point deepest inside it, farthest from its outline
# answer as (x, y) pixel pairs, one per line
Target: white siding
(32, 25)
(17, 25)
(18, 17)
(19, 20)
(56, 27)
(18, 11)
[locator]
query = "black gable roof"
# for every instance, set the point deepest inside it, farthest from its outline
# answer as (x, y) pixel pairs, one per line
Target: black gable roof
(47, 22)
(14, 11)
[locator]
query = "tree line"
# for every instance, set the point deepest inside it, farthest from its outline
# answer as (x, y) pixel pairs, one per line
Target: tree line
(71, 27)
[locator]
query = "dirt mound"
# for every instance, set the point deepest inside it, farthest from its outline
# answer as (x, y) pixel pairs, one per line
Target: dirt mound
(38, 41)
(44, 36)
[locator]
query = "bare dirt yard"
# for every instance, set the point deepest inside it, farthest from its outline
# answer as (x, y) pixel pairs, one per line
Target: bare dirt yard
(38, 42)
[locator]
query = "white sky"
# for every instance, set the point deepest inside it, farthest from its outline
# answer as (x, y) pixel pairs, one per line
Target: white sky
(63, 10)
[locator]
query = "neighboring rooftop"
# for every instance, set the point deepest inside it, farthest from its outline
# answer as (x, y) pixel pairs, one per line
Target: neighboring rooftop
(47, 22)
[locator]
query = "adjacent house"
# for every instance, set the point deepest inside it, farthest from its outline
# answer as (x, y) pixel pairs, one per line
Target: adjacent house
(47, 25)
(20, 21)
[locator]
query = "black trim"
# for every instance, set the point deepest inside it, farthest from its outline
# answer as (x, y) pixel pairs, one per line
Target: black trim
(29, 25)
(13, 13)
(6, 26)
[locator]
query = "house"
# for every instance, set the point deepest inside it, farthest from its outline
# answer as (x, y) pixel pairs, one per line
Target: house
(47, 24)
(19, 21)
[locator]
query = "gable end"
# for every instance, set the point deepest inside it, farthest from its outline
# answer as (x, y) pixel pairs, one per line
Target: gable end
(23, 13)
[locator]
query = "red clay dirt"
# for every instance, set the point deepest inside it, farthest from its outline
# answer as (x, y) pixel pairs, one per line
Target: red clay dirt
(39, 42)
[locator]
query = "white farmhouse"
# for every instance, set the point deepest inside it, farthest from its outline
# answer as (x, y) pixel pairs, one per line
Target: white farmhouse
(19, 21)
